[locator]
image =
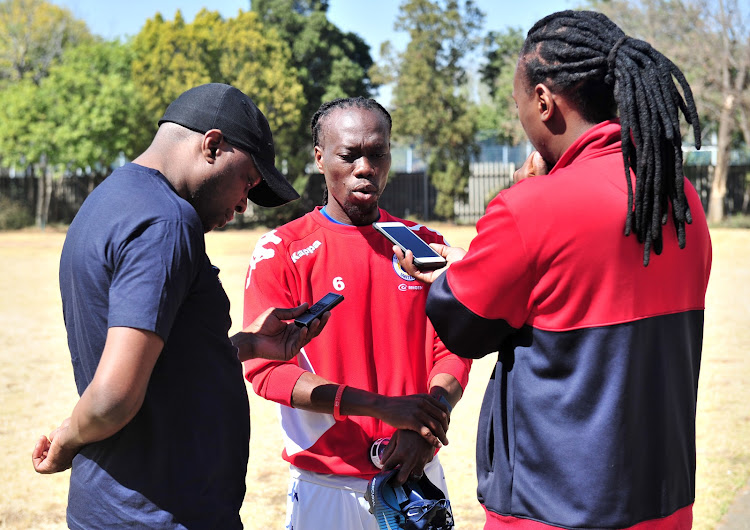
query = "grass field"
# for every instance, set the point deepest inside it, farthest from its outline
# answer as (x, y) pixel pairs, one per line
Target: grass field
(37, 389)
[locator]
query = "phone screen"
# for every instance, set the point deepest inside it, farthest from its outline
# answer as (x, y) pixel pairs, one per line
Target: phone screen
(410, 240)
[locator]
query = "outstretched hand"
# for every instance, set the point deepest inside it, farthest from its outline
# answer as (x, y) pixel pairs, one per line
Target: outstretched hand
(451, 254)
(272, 336)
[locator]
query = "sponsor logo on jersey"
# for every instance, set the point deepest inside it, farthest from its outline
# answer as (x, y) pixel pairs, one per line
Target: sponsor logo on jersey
(306, 251)
(401, 272)
(403, 287)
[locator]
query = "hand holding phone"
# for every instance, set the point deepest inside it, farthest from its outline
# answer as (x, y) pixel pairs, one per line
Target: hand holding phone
(451, 255)
(425, 258)
(326, 303)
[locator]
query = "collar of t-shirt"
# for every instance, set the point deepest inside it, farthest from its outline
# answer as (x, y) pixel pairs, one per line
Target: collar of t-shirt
(325, 213)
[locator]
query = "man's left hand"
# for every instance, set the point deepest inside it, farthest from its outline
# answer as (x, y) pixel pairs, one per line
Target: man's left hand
(451, 255)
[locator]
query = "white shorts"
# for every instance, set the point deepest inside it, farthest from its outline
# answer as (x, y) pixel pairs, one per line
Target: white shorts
(337, 502)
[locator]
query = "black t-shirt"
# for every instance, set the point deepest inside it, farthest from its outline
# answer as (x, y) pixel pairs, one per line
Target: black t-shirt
(134, 256)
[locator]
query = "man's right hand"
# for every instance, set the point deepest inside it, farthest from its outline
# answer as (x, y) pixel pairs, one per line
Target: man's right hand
(49, 456)
(534, 166)
(421, 413)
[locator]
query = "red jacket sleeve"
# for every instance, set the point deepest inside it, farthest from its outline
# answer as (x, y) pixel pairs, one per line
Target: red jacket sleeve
(444, 362)
(268, 284)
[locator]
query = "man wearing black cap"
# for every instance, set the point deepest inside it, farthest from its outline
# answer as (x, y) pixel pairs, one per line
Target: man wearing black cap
(159, 437)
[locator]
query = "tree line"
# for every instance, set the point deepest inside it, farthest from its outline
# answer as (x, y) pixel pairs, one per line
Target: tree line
(75, 102)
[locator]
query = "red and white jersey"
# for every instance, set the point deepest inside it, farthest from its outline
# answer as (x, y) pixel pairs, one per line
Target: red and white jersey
(378, 339)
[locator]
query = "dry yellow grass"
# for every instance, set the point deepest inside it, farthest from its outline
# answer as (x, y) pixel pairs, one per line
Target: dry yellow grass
(37, 389)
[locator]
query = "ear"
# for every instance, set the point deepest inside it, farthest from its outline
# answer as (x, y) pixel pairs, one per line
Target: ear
(319, 159)
(545, 102)
(210, 145)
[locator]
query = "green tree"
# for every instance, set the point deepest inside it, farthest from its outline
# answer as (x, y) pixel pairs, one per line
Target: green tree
(33, 35)
(499, 119)
(23, 127)
(431, 107)
(172, 56)
(330, 63)
(82, 115)
(94, 108)
(256, 60)
(24, 131)
(709, 40)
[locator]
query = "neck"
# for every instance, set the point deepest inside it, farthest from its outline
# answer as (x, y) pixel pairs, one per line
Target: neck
(566, 127)
(155, 158)
(352, 215)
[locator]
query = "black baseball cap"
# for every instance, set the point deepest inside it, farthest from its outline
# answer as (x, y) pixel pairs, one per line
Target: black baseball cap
(224, 107)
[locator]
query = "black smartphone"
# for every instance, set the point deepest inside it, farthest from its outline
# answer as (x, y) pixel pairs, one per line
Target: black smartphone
(399, 234)
(326, 303)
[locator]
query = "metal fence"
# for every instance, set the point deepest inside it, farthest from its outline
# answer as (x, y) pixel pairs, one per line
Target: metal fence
(408, 195)
(737, 199)
(66, 195)
(405, 195)
(487, 179)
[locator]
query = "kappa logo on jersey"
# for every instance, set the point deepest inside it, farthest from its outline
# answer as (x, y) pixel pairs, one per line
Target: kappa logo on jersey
(306, 251)
(401, 272)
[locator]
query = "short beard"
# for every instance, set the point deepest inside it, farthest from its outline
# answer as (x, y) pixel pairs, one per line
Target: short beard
(203, 195)
(360, 216)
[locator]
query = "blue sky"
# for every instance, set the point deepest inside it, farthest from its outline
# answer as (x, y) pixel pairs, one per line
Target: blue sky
(371, 19)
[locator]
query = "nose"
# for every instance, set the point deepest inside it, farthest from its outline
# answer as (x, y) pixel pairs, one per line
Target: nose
(241, 206)
(364, 167)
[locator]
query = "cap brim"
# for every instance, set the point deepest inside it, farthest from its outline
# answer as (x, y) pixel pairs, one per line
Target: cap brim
(274, 189)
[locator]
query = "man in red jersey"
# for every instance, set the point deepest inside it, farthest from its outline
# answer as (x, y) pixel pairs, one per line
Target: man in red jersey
(589, 418)
(379, 369)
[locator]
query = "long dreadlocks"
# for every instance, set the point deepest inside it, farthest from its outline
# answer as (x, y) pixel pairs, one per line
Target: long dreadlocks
(342, 103)
(587, 58)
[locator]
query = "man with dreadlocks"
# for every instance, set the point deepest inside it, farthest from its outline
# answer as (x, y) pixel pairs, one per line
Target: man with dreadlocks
(589, 418)
(379, 370)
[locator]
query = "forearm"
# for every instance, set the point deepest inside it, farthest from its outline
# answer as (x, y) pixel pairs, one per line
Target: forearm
(418, 412)
(314, 393)
(98, 415)
(447, 386)
(112, 398)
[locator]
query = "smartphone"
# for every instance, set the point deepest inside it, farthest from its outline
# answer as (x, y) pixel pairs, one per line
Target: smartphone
(424, 257)
(326, 303)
